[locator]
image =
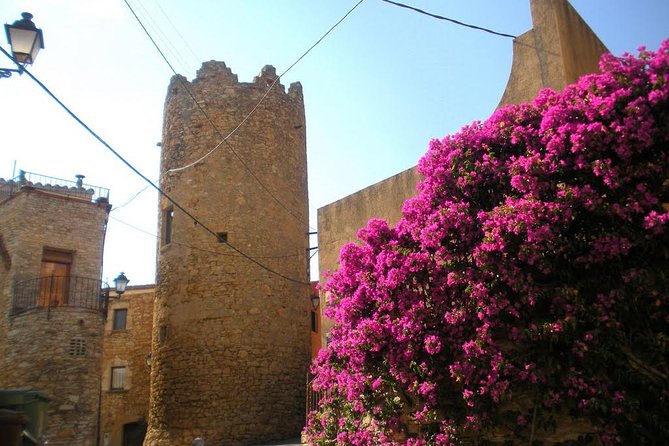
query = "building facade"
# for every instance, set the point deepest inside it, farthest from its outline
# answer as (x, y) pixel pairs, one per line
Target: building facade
(219, 348)
(52, 308)
(126, 368)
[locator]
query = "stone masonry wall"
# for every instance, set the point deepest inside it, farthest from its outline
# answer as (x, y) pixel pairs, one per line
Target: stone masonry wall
(130, 348)
(58, 350)
(59, 354)
(231, 339)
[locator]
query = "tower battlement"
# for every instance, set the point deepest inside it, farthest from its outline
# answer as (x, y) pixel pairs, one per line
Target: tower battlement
(222, 74)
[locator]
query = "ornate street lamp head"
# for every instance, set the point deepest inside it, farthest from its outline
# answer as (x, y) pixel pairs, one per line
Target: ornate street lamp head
(120, 283)
(25, 39)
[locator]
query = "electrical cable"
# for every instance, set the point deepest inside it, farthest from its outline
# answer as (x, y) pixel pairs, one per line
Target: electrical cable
(153, 24)
(151, 183)
(128, 201)
(268, 90)
(314, 253)
(457, 22)
(149, 36)
(157, 237)
(195, 59)
(234, 152)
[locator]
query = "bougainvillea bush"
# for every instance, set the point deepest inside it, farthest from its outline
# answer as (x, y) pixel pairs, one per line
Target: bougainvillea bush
(524, 295)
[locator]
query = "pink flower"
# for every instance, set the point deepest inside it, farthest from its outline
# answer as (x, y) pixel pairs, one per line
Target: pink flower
(432, 344)
(536, 243)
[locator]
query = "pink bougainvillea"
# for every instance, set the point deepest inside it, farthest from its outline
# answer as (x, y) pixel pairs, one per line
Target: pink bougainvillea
(525, 287)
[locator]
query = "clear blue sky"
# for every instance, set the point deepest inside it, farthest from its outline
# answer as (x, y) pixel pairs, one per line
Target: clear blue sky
(376, 90)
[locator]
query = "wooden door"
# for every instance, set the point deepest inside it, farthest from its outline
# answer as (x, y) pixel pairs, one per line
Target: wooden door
(55, 278)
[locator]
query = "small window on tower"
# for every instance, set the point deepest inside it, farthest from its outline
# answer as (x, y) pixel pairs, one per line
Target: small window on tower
(162, 335)
(168, 220)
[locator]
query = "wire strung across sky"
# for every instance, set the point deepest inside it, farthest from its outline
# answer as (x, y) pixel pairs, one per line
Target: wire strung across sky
(225, 138)
(457, 22)
(253, 110)
(220, 254)
(129, 200)
(213, 125)
(145, 178)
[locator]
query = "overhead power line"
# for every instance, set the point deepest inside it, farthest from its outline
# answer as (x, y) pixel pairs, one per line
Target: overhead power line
(129, 200)
(253, 110)
(225, 138)
(457, 22)
(161, 35)
(218, 253)
(213, 125)
(195, 59)
(151, 183)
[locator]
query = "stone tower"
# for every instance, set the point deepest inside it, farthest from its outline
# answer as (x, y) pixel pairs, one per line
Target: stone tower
(52, 308)
(230, 339)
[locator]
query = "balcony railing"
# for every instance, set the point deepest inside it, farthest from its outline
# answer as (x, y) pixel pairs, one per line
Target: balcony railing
(54, 292)
(55, 185)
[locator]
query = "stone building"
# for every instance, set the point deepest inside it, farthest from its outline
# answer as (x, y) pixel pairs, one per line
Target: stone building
(219, 347)
(126, 368)
(51, 308)
(558, 49)
(231, 323)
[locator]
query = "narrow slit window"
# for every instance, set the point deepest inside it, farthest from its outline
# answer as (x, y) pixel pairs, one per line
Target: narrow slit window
(168, 221)
(162, 333)
(314, 322)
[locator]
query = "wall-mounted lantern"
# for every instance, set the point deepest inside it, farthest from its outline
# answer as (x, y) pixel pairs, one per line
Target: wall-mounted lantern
(120, 283)
(25, 40)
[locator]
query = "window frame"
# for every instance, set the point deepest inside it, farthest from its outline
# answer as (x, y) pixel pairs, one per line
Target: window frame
(123, 376)
(115, 313)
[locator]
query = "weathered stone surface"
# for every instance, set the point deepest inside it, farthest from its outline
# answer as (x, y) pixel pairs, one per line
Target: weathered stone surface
(58, 350)
(129, 347)
(231, 339)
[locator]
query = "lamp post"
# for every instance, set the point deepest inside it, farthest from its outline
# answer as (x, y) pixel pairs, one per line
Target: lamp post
(25, 40)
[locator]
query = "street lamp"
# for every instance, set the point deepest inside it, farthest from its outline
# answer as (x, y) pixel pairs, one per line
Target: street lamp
(26, 40)
(120, 283)
(315, 301)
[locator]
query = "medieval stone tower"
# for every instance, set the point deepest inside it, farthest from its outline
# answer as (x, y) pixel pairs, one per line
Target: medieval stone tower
(230, 338)
(52, 305)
